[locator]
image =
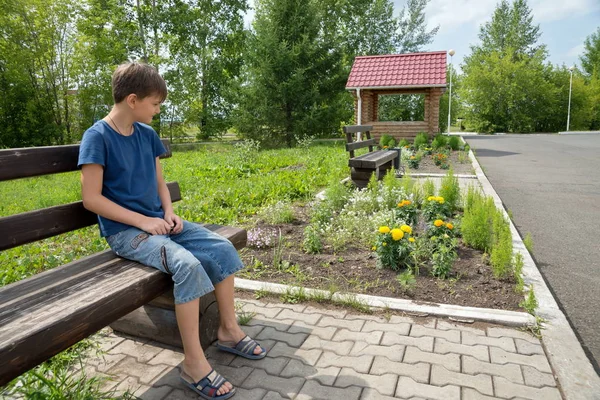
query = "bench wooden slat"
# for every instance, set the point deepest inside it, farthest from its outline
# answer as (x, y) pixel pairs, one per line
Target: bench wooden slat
(36, 161)
(19, 229)
(47, 313)
(357, 128)
(359, 145)
(372, 160)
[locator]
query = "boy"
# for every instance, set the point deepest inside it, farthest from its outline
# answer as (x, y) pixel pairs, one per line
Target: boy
(122, 182)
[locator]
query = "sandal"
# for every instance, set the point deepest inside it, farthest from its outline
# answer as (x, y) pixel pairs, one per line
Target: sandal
(244, 348)
(208, 386)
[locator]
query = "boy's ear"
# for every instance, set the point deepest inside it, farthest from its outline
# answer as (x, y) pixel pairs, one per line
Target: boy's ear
(131, 100)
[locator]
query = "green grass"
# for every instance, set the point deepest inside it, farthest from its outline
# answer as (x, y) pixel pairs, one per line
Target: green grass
(528, 242)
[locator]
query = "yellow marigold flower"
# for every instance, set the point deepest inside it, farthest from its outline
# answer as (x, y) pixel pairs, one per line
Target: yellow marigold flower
(412, 157)
(384, 229)
(439, 198)
(412, 240)
(408, 202)
(406, 228)
(401, 204)
(374, 248)
(438, 222)
(449, 226)
(397, 234)
(431, 198)
(441, 201)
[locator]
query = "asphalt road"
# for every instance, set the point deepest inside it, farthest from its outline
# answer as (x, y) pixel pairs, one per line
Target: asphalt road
(551, 184)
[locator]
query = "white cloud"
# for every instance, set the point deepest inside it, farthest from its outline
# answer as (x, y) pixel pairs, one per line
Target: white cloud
(576, 51)
(556, 10)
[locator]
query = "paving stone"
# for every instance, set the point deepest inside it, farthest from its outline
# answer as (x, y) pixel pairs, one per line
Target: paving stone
(324, 375)
(286, 387)
(413, 355)
(167, 357)
(340, 348)
(449, 335)
(324, 311)
(168, 377)
(392, 338)
(538, 361)
(528, 348)
(272, 366)
(505, 343)
(418, 372)
(481, 353)
(214, 355)
(184, 394)
(473, 366)
(400, 319)
(533, 377)
(309, 357)
(401, 328)
(281, 325)
(253, 394)
(322, 332)
(350, 324)
(292, 339)
(252, 330)
(106, 361)
(310, 319)
(367, 337)
(394, 353)
(365, 317)
(266, 312)
(294, 307)
(359, 364)
(408, 388)
(109, 341)
(272, 396)
(508, 390)
(154, 393)
(312, 390)
(372, 394)
(440, 376)
(131, 384)
(496, 331)
(447, 325)
(138, 350)
(144, 372)
(384, 384)
(472, 394)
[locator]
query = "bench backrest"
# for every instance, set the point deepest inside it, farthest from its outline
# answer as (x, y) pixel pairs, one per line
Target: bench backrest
(351, 145)
(19, 229)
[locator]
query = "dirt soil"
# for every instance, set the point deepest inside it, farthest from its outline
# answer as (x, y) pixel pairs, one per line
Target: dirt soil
(427, 166)
(354, 271)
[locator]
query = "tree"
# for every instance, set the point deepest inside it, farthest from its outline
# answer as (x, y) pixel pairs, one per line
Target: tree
(590, 60)
(412, 34)
(294, 77)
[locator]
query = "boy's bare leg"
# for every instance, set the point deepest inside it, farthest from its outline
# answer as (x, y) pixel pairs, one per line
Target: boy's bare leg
(229, 329)
(195, 363)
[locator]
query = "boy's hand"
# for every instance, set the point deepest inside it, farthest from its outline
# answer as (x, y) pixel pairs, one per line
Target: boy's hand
(175, 223)
(155, 226)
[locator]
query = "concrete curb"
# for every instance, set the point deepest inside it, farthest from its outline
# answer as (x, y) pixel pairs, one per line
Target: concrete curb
(432, 175)
(574, 371)
(509, 318)
(580, 133)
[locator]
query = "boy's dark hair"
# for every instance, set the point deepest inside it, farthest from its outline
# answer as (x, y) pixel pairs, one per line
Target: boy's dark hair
(142, 80)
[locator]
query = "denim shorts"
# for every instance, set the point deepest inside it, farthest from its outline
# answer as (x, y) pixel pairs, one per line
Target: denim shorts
(196, 258)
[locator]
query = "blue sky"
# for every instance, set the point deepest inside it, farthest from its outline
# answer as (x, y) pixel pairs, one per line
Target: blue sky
(564, 24)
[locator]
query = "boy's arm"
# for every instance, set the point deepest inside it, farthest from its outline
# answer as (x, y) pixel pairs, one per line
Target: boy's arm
(93, 200)
(176, 225)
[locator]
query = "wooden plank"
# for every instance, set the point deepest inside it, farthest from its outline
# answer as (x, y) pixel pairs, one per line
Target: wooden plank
(372, 160)
(357, 128)
(49, 312)
(19, 229)
(36, 161)
(359, 145)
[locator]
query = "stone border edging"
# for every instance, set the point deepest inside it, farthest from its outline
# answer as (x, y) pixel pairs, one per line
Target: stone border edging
(435, 175)
(574, 371)
(504, 317)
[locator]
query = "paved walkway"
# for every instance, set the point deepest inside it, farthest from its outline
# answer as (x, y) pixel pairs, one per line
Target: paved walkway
(318, 353)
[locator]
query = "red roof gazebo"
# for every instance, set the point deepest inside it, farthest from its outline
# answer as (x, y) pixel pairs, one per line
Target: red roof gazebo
(412, 73)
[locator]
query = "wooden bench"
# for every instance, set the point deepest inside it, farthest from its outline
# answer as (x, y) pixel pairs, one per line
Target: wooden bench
(45, 314)
(376, 162)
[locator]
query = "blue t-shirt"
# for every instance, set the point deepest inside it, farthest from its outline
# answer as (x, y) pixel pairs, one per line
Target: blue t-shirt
(129, 169)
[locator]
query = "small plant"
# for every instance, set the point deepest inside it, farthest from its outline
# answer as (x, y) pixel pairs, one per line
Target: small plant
(444, 255)
(450, 190)
(414, 161)
(428, 188)
(501, 249)
(427, 151)
(466, 148)
(441, 160)
(454, 143)
(404, 143)
(530, 303)
(421, 141)
(441, 228)
(261, 238)
(435, 207)
(278, 252)
(260, 293)
(528, 242)
(278, 213)
(393, 247)
(312, 240)
(294, 295)
(406, 280)
(355, 303)
(386, 141)
(518, 273)
(406, 211)
(243, 316)
(463, 157)
(304, 142)
(439, 142)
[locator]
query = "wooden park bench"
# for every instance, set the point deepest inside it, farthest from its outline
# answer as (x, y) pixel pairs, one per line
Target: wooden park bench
(376, 162)
(47, 313)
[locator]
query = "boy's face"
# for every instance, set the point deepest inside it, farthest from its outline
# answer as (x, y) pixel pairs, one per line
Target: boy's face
(146, 108)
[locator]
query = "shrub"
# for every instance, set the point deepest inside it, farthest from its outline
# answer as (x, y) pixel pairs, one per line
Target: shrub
(428, 188)
(443, 256)
(477, 220)
(393, 247)
(435, 207)
(404, 143)
(439, 142)
(501, 251)
(518, 273)
(406, 211)
(421, 141)
(450, 191)
(312, 240)
(454, 143)
(385, 141)
(528, 242)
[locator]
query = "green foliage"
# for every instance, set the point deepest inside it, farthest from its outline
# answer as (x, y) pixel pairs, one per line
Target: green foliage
(518, 272)
(414, 161)
(406, 280)
(454, 142)
(439, 142)
(312, 240)
(403, 143)
(443, 256)
(278, 213)
(387, 141)
(528, 242)
(590, 59)
(501, 253)
(435, 207)
(406, 211)
(393, 247)
(407, 107)
(450, 191)
(428, 188)
(421, 141)
(530, 303)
